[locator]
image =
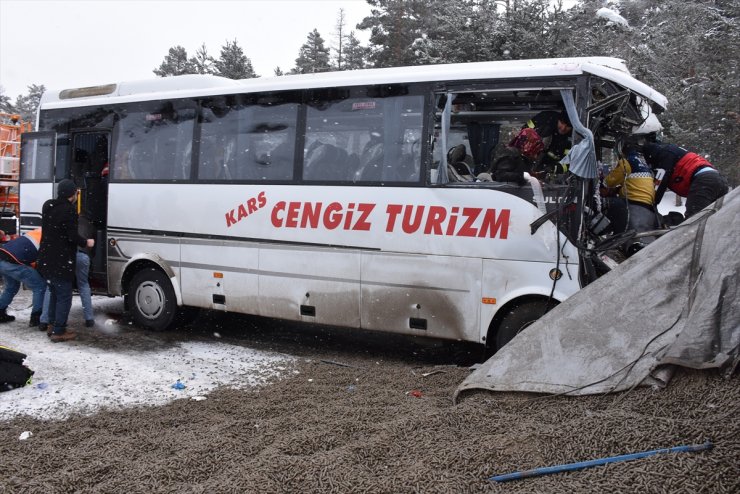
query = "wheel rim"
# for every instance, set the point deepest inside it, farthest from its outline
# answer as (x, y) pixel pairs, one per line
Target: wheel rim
(150, 299)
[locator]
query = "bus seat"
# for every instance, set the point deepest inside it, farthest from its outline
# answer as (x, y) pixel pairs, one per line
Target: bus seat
(371, 162)
(456, 153)
(459, 174)
(326, 162)
(459, 170)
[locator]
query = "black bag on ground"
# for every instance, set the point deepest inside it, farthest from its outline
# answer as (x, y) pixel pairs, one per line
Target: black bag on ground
(13, 374)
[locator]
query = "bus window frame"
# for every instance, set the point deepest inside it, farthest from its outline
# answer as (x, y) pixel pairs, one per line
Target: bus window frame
(412, 89)
(294, 97)
(35, 136)
(118, 109)
(575, 83)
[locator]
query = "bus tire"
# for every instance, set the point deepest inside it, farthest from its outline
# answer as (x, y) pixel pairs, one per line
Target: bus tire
(152, 300)
(519, 317)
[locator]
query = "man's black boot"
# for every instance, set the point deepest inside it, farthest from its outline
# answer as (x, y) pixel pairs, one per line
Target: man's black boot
(35, 319)
(5, 317)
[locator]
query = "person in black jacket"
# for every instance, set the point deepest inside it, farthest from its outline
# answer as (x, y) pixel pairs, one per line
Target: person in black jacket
(687, 174)
(57, 254)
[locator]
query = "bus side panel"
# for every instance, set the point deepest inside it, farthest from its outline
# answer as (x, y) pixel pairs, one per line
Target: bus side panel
(506, 280)
(296, 282)
(439, 292)
(130, 246)
(220, 275)
(33, 197)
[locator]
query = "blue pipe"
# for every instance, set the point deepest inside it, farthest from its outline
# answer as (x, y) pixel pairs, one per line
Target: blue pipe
(601, 461)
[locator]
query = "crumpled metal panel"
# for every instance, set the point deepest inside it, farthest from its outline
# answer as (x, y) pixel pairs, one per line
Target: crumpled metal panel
(673, 303)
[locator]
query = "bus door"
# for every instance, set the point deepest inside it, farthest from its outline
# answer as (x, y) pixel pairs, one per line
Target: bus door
(38, 160)
(89, 170)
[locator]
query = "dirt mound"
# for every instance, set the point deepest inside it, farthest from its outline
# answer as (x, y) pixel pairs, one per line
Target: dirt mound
(383, 426)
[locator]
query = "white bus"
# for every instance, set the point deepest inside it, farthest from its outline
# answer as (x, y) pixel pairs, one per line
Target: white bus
(332, 198)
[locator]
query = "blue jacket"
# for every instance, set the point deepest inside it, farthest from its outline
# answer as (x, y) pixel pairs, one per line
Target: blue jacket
(22, 250)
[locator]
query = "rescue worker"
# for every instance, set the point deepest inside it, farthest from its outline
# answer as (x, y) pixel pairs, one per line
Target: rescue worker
(633, 206)
(685, 173)
(552, 126)
(16, 266)
(560, 144)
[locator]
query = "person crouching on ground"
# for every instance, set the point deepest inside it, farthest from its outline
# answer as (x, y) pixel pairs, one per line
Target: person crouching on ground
(16, 259)
(58, 253)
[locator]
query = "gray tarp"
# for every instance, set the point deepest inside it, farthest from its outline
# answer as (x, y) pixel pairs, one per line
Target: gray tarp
(675, 302)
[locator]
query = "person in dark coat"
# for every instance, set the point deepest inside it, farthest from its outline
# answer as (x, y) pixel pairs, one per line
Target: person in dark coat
(557, 127)
(57, 254)
(685, 173)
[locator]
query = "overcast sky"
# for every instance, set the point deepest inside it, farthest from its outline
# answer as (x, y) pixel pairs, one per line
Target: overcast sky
(75, 43)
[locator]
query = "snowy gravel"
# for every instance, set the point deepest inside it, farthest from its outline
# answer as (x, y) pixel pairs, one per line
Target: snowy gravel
(114, 365)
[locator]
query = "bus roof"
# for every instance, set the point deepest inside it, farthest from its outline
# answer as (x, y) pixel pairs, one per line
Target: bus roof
(185, 86)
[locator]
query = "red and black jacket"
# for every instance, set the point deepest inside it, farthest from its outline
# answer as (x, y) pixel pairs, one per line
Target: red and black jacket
(679, 165)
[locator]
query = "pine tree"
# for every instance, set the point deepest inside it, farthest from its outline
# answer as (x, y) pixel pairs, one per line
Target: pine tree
(313, 55)
(26, 105)
(5, 105)
(175, 63)
(695, 70)
(233, 63)
(341, 39)
(394, 26)
(355, 55)
(278, 71)
(202, 62)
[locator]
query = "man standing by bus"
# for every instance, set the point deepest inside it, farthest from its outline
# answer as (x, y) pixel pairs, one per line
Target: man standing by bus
(58, 253)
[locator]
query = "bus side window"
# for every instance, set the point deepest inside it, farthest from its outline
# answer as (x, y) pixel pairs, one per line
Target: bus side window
(182, 170)
(210, 164)
(367, 135)
(275, 158)
(263, 146)
(274, 154)
(156, 138)
(137, 162)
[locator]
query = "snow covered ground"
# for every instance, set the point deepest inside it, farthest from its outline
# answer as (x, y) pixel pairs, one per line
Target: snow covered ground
(114, 365)
(668, 204)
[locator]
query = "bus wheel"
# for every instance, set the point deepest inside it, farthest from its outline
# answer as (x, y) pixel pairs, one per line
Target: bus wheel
(519, 317)
(152, 299)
